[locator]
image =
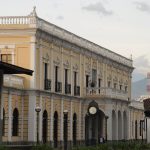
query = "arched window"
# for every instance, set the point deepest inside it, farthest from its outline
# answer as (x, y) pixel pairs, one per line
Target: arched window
(15, 122)
(74, 129)
(3, 130)
(45, 116)
(55, 129)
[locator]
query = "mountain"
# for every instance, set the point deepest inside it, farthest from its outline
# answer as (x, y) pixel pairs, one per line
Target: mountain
(139, 88)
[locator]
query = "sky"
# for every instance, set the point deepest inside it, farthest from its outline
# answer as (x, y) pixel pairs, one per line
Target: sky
(122, 26)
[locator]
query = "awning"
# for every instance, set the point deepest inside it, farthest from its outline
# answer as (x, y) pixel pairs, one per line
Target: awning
(12, 69)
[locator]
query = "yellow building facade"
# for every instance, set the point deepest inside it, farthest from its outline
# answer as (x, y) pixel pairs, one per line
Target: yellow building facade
(83, 89)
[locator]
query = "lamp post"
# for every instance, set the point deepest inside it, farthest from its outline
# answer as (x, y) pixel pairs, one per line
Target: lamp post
(65, 128)
(37, 109)
(106, 117)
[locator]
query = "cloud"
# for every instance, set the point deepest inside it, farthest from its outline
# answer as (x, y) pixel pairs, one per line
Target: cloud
(142, 6)
(60, 17)
(99, 8)
(142, 67)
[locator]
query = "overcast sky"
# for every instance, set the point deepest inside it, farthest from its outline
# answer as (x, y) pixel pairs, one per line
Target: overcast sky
(122, 26)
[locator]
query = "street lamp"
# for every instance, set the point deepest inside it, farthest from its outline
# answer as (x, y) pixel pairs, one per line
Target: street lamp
(37, 109)
(65, 128)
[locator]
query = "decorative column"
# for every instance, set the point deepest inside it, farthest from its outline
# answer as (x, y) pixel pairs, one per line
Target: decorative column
(80, 77)
(10, 117)
(41, 68)
(32, 118)
(33, 61)
(52, 71)
(62, 70)
(108, 124)
(71, 79)
(1, 102)
(40, 119)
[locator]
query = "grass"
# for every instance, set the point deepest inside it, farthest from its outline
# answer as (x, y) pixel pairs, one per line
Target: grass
(116, 146)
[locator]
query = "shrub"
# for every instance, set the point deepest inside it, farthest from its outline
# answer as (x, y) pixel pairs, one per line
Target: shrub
(42, 147)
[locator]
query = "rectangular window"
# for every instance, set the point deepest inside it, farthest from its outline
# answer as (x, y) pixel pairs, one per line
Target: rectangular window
(6, 58)
(94, 76)
(87, 80)
(56, 77)
(99, 82)
(109, 84)
(75, 78)
(120, 87)
(66, 80)
(45, 70)
(126, 89)
(115, 85)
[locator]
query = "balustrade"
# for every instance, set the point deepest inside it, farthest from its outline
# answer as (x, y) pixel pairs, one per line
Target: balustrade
(17, 20)
(106, 92)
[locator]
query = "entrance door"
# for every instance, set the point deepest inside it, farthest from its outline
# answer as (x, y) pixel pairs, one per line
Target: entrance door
(94, 128)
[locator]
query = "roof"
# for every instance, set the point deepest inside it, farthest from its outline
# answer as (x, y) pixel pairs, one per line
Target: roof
(13, 69)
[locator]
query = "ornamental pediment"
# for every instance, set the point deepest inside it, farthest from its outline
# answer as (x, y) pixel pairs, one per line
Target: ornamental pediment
(75, 67)
(66, 64)
(57, 61)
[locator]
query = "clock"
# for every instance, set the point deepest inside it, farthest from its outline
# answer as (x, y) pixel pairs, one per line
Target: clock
(92, 110)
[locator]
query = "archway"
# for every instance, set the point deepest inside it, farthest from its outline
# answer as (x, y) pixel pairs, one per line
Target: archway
(74, 128)
(119, 126)
(3, 128)
(15, 122)
(94, 124)
(45, 116)
(114, 125)
(55, 129)
(125, 127)
(136, 130)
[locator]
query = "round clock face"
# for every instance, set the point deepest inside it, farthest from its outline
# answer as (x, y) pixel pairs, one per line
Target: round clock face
(92, 110)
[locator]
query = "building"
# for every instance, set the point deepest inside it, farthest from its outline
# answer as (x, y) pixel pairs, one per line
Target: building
(83, 89)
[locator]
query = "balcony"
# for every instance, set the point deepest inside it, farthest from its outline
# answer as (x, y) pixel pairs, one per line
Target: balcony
(47, 84)
(67, 88)
(58, 87)
(106, 93)
(77, 90)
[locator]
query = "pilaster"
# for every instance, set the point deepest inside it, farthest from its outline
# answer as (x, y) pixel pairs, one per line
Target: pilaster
(32, 118)
(52, 72)
(40, 119)
(33, 62)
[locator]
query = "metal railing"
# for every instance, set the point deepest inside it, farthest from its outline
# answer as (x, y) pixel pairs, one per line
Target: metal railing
(47, 84)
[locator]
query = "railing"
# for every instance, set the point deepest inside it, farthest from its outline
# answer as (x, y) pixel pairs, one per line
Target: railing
(77, 90)
(58, 87)
(106, 92)
(47, 84)
(68, 89)
(13, 81)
